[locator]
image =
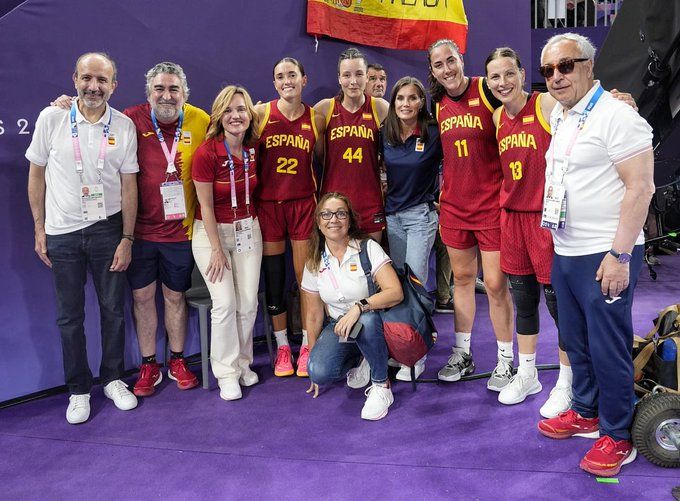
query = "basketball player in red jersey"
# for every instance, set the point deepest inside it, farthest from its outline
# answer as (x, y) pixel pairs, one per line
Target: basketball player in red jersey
(470, 212)
(286, 196)
(351, 142)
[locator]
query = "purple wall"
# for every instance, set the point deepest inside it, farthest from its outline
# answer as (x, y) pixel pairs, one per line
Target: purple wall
(40, 41)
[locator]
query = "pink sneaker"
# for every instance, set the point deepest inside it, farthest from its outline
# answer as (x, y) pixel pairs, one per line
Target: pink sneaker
(303, 357)
(284, 362)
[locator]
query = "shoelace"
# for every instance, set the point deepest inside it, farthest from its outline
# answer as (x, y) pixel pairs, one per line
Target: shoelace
(145, 371)
(606, 444)
(378, 394)
(283, 357)
(179, 368)
(79, 401)
(504, 369)
(120, 388)
(456, 359)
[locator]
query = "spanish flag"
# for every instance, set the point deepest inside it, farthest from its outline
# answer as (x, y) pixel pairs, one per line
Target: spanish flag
(393, 24)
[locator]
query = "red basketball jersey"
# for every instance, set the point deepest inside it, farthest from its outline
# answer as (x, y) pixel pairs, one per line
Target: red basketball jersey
(471, 167)
(351, 161)
(286, 150)
(522, 143)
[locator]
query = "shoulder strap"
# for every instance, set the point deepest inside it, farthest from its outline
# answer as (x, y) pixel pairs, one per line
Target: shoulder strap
(366, 266)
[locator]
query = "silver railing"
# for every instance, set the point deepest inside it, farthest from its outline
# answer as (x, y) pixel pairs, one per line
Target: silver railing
(571, 13)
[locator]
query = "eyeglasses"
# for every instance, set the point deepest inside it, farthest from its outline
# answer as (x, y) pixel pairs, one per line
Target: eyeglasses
(565, 67)
(328, 215)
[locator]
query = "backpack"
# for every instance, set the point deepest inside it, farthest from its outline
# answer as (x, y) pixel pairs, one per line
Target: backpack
(408, 327)
(655, 357)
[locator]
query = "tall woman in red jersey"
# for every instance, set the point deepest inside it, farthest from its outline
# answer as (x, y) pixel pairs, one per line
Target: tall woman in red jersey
(470, 213)
(227, 242)
(351, 142)
(523, 135)
(286, 197)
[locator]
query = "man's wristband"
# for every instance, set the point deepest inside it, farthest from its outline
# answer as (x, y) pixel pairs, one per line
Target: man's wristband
(131, 238)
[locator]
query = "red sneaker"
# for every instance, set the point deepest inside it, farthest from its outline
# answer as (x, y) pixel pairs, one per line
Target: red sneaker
(178, 371)
(303, 357)
(607, 456)
(149, 377)
(284, 362)
(569, 424)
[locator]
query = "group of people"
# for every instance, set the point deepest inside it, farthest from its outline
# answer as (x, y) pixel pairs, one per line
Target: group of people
(168, 184)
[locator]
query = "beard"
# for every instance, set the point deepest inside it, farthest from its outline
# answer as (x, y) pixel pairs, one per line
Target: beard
(92, 99)
(166, 112)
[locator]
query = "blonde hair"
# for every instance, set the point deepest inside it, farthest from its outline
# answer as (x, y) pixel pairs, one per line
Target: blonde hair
(219, 107)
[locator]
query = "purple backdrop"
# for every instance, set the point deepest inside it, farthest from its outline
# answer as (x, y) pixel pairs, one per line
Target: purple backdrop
(41, 40)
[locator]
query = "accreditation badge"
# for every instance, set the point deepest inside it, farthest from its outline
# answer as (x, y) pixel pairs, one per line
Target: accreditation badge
(420, 146)
(243, 234)
(92, 205)
(554, 207)
(174, 206)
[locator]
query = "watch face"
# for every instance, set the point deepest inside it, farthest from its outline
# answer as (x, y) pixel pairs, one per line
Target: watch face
(624, 257)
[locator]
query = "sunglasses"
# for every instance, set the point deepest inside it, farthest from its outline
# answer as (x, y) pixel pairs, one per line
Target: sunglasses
(565, 67)
(328, 215)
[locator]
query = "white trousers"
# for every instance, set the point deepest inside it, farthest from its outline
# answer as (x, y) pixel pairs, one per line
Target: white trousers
(234, 299)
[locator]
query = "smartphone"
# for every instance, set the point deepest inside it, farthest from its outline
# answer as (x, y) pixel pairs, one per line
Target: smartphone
(352, 336)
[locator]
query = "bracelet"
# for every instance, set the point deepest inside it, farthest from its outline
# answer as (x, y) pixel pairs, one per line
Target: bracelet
(131, 238)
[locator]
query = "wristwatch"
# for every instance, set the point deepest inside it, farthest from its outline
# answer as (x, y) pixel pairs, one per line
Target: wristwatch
(362, 304)
(621, 257)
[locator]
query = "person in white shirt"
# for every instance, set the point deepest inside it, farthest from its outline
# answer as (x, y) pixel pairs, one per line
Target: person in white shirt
(82, 190)
(333, 280)
(599, 174)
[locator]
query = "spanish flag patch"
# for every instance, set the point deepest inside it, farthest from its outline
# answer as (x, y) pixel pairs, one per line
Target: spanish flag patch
(186, 137)
(112, 139)
(352, 267)
(306, 127)
(473, 102)
(366, 116)
(528, 119)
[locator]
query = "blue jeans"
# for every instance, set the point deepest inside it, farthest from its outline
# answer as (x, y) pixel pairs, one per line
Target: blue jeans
(411, 234)
(330, 359)
(71, 255)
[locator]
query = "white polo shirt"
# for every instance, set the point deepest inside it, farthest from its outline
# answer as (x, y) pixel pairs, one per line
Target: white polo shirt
(51, 147)
(613, 132)
(349, 275)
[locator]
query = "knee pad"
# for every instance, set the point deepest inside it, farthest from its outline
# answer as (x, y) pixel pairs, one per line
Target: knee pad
(526, 294)
(551, 303)
(274, 268)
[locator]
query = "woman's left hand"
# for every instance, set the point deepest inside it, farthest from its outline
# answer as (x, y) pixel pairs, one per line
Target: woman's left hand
(345, 324)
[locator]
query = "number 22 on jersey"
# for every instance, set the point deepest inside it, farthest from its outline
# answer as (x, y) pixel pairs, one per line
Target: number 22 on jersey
(286, 165)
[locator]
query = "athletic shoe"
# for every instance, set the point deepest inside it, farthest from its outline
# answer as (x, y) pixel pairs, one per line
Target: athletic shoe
(459, 364)
(150, 376)
(378, 401)
(393, 363)
(248, 377)
(444, 307)
(519, 388)
(500, 376)
(230, 389)
(284, 362)
(78, 410)
(118, 391)
(359, 376)
(607, 456)
(570, 424)
(558, 402)
(303, 358)
(179, 372)
(480, 288)
(404, 373)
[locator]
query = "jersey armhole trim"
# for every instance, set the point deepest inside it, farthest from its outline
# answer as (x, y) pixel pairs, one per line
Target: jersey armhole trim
(482, 94)
(329, 113)
(539, 114)
(265, 118)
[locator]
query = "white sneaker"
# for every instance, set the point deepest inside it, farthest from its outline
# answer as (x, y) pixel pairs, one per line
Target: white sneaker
(404, 373)
(248, 377)
(519, 388)
(230, 389)
(558, 402)
(118, 392)
(378, 400)
(78, 410)
(359, 376)
(500, 376)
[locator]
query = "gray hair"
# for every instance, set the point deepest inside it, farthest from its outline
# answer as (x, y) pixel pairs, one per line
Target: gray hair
(585, 46)
(171, 69)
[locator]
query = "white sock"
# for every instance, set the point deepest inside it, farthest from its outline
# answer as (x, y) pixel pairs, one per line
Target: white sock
(505, 351)
(463, 341)
(281, 338)
(527, 364)
(304, 338)
(565, 377)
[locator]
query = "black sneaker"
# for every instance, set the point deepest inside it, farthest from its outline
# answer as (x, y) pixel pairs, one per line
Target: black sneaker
(444, 307)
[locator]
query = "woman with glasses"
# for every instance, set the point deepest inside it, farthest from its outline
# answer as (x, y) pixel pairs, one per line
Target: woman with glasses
(334, 281)
(227, 241)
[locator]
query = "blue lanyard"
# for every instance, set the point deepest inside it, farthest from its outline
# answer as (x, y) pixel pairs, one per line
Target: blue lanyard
(76, 143)
(169, 155)
(232, 180)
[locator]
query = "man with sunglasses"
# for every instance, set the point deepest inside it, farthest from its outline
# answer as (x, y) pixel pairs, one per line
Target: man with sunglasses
(599, 172)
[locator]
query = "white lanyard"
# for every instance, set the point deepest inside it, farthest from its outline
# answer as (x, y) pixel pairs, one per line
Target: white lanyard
(232, 177)
(76, 144)
(169, 155)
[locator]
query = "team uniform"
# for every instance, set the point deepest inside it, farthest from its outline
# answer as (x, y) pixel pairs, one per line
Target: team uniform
(162, 247)
(470, 211)
(351, 164)
(287, 188)
(526, 248)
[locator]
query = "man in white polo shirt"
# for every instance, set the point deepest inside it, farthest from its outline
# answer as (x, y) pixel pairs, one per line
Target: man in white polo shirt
(599, 182)
(82, 190)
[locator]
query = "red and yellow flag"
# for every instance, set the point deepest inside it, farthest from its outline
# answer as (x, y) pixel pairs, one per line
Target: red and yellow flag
(393, 24)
